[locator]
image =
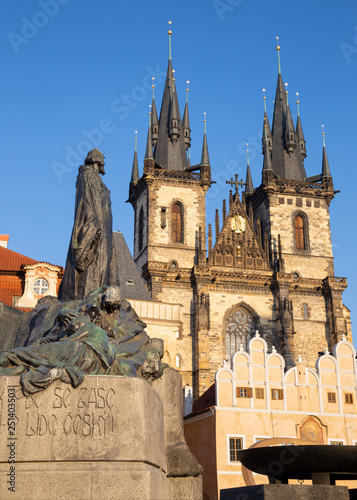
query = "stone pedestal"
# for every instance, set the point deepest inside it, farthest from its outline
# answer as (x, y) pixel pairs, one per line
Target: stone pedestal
(286, 491)
(104, 439)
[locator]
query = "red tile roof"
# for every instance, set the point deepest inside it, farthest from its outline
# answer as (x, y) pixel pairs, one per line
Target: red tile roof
(204, 402)
(12, 261)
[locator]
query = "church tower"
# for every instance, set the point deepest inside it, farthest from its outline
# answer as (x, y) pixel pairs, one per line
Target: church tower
(293, 210)
(169, 198)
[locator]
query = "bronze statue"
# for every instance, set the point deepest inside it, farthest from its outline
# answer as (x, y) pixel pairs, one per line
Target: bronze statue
(91, 260)
(100, 335)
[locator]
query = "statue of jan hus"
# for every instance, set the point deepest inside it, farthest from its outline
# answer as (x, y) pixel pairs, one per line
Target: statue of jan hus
(91, 260)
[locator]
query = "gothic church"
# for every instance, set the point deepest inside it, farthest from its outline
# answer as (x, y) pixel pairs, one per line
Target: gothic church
(266, 265)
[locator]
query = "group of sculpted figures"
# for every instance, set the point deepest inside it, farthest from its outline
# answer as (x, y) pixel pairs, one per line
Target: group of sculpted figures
(90, 328)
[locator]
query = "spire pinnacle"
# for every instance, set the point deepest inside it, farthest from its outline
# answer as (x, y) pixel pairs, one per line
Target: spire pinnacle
(205, 156)
(287, 93)
(187, 83)
(170, 34)
(135, 169)
(153, 87)
(148, 153)
(248, 179)
(264, 99)
(186, 122)
(325, 165)
(278, 49)
(299, 132)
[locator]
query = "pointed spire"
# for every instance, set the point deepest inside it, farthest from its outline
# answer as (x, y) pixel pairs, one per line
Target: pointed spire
(170, 150)
(248, 179)
(224, 211)
(189, 157)
(154, 118)
(325, 166)
(267, 165)
(135, 168)
(186, 122)
(174, 122)
(287, 161)
(266, 122)
(216, 222)
(205, 156)
(299, 133)
(148, 153)
(290, 142)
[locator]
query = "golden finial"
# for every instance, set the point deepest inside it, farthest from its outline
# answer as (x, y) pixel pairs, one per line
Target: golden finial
(278, 49)
(149, 109)
(286, 93)
(204, 121)
(173, 75)
(187, 83)
(247, 155)
(170, 33)
(264, 99)
(323, 135)
(136, 139)
(153, 87)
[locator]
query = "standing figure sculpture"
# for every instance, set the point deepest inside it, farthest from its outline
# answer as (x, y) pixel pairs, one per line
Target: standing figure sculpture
(91, 260)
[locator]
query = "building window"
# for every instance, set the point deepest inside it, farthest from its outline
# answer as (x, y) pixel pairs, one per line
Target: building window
(240, 328)
(259, 393)
(40, 286)
(305, 311)
(141, 229)
(235, 445)
(177, 223)
(277, 394)
(338, 443)
(244, 392)
(300, 232)
(349, 398)
(177, 361)
(331, 397)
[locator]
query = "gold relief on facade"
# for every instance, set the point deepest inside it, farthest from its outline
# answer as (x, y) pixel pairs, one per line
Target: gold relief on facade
(311, 429)
(237, 224)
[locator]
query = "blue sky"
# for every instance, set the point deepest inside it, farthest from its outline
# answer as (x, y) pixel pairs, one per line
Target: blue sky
(78, 72)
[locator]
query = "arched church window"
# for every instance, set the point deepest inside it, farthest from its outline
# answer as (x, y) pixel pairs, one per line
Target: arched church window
(177, 223)
(300, 233)
(240, 328)
(141, 229)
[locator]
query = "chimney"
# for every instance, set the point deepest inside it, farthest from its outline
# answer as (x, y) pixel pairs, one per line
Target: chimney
(4, 239)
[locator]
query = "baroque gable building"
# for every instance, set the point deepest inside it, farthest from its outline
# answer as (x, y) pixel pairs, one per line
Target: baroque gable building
(266, 265)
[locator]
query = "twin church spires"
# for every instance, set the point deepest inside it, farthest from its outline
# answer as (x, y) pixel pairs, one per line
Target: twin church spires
(169, 137)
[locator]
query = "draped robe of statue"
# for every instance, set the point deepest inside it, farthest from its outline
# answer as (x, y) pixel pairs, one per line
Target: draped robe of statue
(91, 260)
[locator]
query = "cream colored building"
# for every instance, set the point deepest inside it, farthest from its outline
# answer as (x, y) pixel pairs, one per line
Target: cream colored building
(255, 398)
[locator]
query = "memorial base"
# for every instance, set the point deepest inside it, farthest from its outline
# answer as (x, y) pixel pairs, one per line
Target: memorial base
(105, 439)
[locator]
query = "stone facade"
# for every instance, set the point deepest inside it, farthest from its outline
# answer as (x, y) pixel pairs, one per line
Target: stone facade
(267, 262)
